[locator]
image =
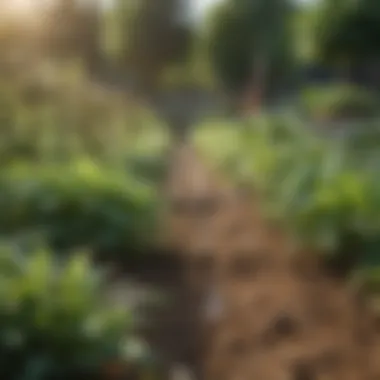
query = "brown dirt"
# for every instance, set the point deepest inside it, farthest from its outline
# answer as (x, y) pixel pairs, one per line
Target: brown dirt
(263, 310)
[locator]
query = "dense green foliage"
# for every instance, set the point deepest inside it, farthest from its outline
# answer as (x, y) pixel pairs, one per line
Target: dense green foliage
(338, 102)
(77, 204)
(79, 165)
(348, 31)
(244, 36)
(71, 118)
(79, 168)
(55, 321)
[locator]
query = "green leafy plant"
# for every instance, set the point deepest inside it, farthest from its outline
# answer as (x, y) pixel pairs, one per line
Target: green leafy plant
(79, 204)
(338, 102)
(55, 321)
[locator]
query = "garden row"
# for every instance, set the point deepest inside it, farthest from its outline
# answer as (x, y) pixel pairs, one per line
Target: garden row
(79, 169)
(79, 166)
(324, 188)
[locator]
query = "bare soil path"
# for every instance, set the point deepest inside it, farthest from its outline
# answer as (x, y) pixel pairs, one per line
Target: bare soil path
(245, 304)
(264, 311)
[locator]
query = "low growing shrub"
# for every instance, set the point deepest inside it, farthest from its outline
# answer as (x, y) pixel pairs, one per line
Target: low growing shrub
(60, 121)
(79, 204)
(55, 322)
(338, 103)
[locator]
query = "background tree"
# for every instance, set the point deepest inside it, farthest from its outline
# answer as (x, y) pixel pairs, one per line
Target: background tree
(348, 36)
(250, 41)
(134, 39)
(74, 29)
(152, 35)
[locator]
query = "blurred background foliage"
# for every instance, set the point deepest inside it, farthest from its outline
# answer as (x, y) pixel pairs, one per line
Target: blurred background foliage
(340, 102)
(251, 42)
